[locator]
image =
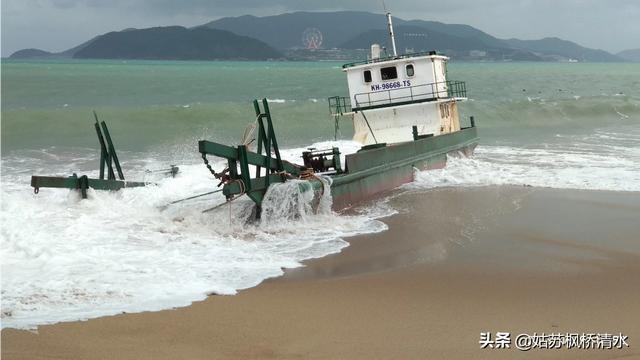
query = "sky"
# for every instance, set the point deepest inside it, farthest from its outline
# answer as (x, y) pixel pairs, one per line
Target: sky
(57, 25)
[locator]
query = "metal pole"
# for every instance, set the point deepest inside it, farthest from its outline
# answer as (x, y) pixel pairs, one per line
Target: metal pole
(195, 196)
(105, 157)
(244, 167)
(112, 150)
(103, 150)
(261, 133)
(393, 38)
(272, 134)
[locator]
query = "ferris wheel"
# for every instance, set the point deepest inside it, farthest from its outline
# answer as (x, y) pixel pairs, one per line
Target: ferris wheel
(312, 38)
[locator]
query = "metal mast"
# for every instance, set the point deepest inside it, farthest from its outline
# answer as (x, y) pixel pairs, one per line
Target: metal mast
(393, 37)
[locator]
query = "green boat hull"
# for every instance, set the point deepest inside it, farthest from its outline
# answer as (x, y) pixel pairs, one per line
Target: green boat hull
(374, 171)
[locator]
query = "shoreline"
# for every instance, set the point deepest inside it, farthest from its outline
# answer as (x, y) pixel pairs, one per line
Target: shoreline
(454, 262)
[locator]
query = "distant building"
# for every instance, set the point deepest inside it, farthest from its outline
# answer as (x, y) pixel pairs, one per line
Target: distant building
(477, 53)
(424, 35)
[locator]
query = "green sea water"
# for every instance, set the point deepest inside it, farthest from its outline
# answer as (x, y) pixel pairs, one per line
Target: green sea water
(567, 126)
(161, 104)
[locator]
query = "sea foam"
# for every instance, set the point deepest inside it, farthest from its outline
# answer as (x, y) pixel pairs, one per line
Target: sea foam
(604, 160)
(66, 259)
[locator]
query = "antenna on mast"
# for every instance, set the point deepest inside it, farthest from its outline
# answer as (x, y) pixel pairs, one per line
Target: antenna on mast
(390, 25)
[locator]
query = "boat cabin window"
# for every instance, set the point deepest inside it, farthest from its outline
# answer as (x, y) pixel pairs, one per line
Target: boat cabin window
(367, 76)
(410, 71)
(389, 73)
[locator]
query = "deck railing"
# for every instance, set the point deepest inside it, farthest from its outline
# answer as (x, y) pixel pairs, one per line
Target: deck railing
(339, 105)
(400, 96)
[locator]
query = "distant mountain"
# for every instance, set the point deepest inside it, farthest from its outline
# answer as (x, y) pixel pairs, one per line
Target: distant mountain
(257, 38)
(463, 31)
(176, 43)
(352, 28)
(563, 48)
(413, 37)
(630, 55)
(30, 54)
(41, 54)
(70, 52)
(163, 43)
(285, 31)
(419, 39)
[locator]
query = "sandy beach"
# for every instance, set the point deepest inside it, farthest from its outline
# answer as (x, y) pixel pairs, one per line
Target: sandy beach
(454, 262)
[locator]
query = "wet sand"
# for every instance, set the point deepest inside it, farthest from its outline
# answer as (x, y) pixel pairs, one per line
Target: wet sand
(454, 263)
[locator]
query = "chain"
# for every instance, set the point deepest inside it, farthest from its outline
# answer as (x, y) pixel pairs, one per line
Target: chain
(222, 176)
(206, 162)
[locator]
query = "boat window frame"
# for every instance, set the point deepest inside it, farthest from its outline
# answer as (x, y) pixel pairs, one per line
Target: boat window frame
(364, 76)
(382, 75)
(413, 70)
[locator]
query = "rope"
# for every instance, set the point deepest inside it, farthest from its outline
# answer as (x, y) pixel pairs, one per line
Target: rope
(249, 133)
(243, 190)
(306, 173)
(247, 139)
(164, 207)
(195, 196)
(321, 182)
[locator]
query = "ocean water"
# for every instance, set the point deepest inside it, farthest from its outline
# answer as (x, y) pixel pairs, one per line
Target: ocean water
(574, 126)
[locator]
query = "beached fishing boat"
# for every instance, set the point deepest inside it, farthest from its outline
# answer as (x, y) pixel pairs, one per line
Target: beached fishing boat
(404, 112)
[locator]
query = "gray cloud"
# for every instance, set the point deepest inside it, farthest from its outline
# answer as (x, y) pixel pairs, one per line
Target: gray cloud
(60, 24)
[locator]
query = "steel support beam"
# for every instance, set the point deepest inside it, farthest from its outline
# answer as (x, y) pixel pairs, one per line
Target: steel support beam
(74, 182)
(231, 153)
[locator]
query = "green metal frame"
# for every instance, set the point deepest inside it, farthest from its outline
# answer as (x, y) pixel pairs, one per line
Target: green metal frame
(108, 155)
(276, 170)
(108, 159)
(267, 137)
(339, 105)
(81, 183)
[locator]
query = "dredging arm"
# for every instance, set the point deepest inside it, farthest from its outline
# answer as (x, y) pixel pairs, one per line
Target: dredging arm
(237, 178)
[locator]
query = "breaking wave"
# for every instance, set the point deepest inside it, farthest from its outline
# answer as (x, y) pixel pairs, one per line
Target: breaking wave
(605, 160)
(66, 259)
